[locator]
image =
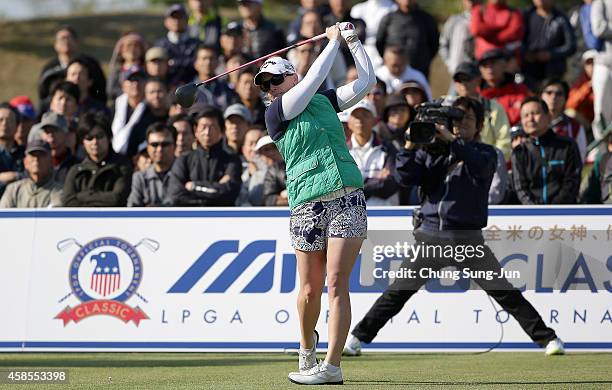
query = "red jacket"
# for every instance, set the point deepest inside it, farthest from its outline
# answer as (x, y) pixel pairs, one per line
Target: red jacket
(510, 95)
(581, 98)
(496, 26)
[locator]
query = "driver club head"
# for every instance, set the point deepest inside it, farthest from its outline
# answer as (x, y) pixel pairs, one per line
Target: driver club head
(186, 94)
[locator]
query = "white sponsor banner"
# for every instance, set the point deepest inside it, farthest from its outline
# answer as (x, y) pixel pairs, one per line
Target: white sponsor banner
(225, 279)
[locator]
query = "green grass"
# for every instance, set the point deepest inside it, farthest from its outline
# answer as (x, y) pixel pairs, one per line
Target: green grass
(505, 370)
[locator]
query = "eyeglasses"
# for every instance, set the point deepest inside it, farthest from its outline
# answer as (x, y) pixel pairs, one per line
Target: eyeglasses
(163, 144)
(98, 136)
(553, 92)
(276, 79)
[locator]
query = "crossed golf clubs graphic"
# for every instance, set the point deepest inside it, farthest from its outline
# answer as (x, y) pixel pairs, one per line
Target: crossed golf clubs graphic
(63, 245)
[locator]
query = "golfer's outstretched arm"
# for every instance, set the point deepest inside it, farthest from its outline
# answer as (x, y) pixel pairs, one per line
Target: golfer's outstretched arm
(298, 97)
(349, 94)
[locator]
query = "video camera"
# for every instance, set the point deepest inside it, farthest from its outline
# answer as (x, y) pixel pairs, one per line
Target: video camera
(422, 130)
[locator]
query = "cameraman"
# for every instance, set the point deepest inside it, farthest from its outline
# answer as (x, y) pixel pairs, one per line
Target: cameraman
(455, 184)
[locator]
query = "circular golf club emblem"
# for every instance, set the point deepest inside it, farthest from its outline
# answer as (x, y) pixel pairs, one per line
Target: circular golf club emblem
(106, 268)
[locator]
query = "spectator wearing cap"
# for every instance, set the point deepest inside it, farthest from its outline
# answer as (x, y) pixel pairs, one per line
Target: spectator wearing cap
(413, 29)
(78, 73)
(38, 189)
(555, 93)
(601, 23)
(372, 12)
(341, 12)
(183, 124)
(249, 96)
(275, 174)
(497, 84)
(261, 35)
(53, 129)
(149, 186)
(204, 22)
(496, 127)
(396, 70)
(157, 99)
(27, 114)
(581, 99)
(456, 41)
(66, 47)
(179, 45)
(237, 121)
(495, 25)
(549, 41)
(413, 92)
(129, 51)
(253, 170)
(397, 115)
(11, 155)
(156, 65)
(216, 92)
(545, 168)
(375, 158)
(232, 42)
(208, 175)
(103, 178)
(131, 116)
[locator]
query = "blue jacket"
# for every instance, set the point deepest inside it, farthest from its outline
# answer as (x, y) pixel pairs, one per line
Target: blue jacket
(455, 186)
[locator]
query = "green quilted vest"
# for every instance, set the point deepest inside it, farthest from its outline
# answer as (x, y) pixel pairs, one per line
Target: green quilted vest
(315, 153)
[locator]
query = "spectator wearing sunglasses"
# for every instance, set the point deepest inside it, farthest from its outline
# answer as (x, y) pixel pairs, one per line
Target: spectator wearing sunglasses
(103, 178)
(555, 93)
(150, 186)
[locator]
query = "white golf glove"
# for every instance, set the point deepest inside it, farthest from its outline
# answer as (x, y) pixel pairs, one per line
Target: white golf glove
(348, 32)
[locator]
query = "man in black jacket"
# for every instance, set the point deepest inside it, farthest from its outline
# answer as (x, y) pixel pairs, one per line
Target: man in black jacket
(413, 29)
(209, 175)
(545, 169)
(261, 35)
(455, 186)
(104, 178)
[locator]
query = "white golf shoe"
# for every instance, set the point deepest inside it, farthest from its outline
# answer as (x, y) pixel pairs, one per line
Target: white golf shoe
(308, 357)
(352, 347)
(321, 374)
(555, 347)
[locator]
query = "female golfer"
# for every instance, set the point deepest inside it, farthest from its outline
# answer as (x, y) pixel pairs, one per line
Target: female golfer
(328, 209)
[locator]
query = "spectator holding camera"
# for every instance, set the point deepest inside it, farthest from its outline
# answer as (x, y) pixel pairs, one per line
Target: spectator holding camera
(448, 216)
(546, 168)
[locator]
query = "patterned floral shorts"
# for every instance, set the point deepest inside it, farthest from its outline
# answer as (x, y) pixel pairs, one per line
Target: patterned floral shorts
(312, 223)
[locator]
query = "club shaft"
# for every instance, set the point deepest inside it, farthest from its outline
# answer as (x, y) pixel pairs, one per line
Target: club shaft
(310, 40)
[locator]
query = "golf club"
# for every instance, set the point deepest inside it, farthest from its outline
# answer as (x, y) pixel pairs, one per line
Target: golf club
(186, 94)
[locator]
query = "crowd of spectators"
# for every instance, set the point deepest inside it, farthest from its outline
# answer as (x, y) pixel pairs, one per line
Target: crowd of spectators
(543, 76)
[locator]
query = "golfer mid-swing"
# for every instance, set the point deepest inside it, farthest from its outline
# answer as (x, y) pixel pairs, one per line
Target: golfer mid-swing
(328, 210)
